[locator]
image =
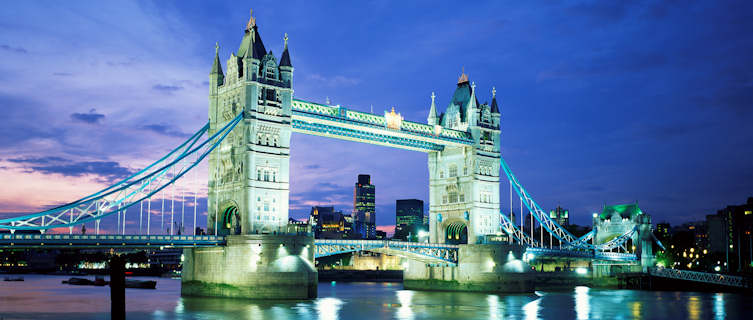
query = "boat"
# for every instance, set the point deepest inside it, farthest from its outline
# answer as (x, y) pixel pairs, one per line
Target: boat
(98, 281)
(79, 282)
(141, 284)
(14, 278)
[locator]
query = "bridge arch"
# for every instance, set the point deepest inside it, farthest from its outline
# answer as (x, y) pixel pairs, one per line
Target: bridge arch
(230, 219)
(456, 232)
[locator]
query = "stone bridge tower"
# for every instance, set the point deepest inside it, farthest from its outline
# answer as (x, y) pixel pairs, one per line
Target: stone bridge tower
(249, 171)
(615, 220)
(464, 181)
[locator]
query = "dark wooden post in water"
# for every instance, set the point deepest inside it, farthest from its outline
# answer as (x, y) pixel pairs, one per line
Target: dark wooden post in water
(117, 288)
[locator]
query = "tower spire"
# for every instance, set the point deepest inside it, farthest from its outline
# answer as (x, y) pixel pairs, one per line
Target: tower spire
(432, 119)
(495, 107)
(285, 59)
(217, 66)
(251, 20)
(463, 77)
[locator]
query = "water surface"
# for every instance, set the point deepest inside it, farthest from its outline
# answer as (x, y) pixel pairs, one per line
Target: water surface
(44, 297)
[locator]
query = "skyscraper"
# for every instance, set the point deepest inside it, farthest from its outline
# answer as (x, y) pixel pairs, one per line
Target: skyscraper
(364, 214)
(561, 216)
(409, 216)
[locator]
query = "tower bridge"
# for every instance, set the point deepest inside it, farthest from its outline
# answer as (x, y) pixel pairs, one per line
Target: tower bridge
(252, 251)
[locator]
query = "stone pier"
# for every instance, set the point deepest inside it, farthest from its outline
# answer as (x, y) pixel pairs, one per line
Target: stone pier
(481, 267)
(253, 267)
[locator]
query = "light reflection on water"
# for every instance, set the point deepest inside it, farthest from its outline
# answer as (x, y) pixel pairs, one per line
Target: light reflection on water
(582, 303)
(43, 297)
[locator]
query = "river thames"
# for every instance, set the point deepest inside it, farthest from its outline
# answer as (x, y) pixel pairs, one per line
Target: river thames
(44, 297)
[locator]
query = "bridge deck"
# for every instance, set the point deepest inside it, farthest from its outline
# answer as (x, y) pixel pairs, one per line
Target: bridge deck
(340, 122)
(107, 241)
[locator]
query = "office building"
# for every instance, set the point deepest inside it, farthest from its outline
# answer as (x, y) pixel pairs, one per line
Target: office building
(364, 220)
(409, 216)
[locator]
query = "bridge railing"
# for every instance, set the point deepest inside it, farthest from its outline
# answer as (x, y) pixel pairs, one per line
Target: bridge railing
(110, 239)
(705, 277)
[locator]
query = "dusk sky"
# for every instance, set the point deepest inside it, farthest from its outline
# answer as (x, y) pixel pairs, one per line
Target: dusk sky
(601, 101)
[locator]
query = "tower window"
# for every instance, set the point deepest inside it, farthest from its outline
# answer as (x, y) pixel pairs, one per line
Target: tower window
(453, 171)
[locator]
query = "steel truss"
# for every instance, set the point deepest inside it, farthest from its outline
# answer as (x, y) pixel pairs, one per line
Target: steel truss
(138, 187)
(567, 239)
(705, 277)
(447, 253)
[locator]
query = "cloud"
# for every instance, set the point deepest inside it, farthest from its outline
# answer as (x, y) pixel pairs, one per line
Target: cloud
(12, 49)
(312, 166)
(40, 160)
(107, 170)
(167, 88)
(62, 74)
(166, 130)
(91, 118)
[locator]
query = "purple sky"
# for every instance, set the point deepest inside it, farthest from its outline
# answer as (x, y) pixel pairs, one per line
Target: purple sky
(601, 101)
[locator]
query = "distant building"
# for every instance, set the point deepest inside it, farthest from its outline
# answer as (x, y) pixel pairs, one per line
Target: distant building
(327, 223)
(409, 216)
(663, 232)
(716, 227)
(298, 227)
(381, 235)
(737, 223)
(364, 214)
(560, 215)
(348, 225)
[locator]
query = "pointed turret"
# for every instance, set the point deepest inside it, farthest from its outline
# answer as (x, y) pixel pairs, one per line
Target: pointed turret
(217, 66)
(432, 119)
(286, 68)
(216, 77)
(252, 41)
(495, 107)
(285, 59)
(472, 107)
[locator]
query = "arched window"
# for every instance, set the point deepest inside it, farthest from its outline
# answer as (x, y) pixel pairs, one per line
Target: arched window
(266, 175)
(258, 174)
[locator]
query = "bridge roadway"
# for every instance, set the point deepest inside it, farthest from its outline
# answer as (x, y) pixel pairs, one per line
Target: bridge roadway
(431, 253)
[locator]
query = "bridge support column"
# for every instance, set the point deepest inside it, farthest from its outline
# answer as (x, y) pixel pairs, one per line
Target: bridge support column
(253, 267)
(481, 267)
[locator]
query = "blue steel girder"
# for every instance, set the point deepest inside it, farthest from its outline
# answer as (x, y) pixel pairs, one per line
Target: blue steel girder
(140, 186)
(581, 254)
(342, 123)
(704, 277)
(447, 254)
(106, 241)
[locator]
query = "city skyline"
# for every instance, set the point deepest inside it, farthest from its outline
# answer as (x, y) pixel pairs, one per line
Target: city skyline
(639, 148)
